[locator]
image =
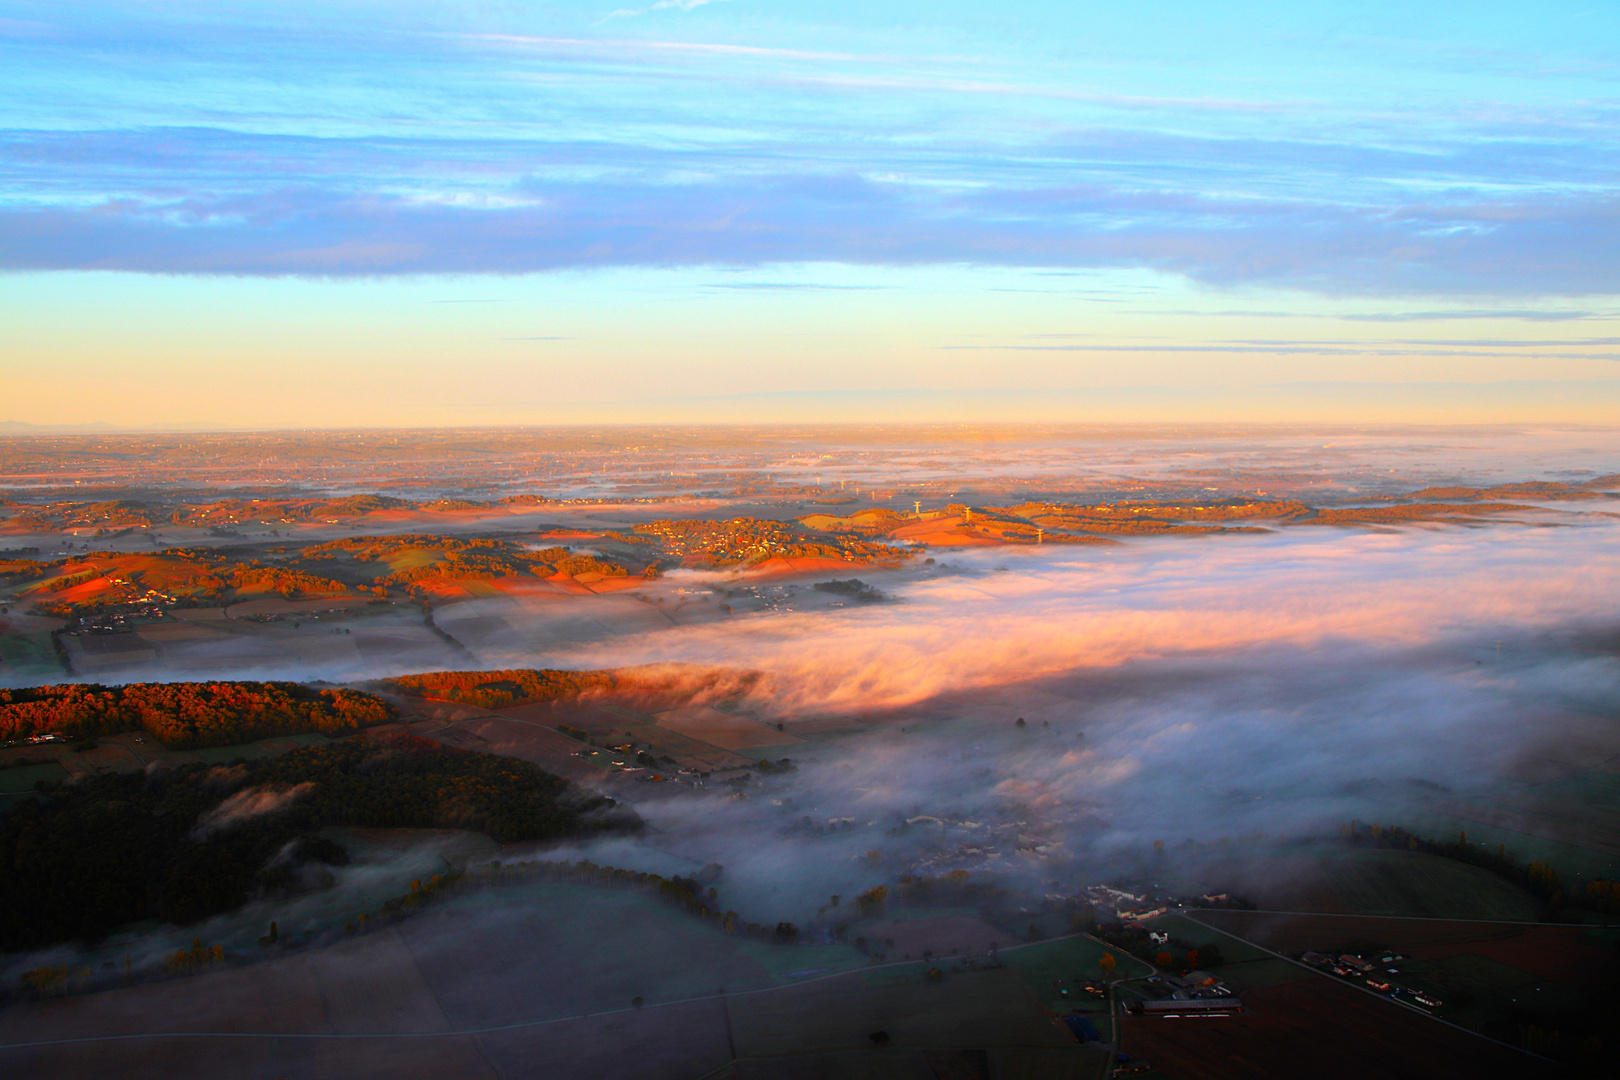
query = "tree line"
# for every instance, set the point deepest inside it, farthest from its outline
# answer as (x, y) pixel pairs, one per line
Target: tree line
(500, 689)
(189, 715)
(1538, 878)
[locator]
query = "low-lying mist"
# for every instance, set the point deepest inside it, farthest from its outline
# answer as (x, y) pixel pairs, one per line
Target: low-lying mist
(1170, 691)
(1024, 613)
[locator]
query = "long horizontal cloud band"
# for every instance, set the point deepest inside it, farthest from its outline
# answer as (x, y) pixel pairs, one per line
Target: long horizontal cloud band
(1562, 246)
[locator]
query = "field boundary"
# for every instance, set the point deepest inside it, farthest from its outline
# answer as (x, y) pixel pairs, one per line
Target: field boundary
(1401, 918)
(467, 1032)
(1371, 993)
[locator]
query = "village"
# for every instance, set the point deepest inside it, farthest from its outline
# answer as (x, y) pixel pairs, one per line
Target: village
(1377, 970)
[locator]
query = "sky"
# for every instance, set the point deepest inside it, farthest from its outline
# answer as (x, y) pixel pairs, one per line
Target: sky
(355, 213)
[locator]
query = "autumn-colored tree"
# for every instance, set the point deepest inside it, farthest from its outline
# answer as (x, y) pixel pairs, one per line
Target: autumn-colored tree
(1107, 963)
(1164, 960)
(871, 900)
(189, 716)
(499, 689)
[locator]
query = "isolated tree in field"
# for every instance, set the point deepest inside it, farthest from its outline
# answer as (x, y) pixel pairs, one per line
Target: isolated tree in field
(1107, 963)
(872, 899)
(1192, 958)
(1164, 960)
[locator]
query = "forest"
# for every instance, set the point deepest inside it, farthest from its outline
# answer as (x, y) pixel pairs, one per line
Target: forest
(500, 689)
(280, 511)
(745, 541)
(666, 684)
(183, 844)
(409, 559)
(189, 715)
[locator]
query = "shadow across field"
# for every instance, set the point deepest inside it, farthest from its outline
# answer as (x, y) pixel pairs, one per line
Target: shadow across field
(1312, 1029)
(543, 982)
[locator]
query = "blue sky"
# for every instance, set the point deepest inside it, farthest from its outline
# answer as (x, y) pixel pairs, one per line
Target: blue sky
(672, 209)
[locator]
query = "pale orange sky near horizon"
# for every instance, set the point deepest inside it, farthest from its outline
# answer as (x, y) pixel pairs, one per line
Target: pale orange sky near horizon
(797, 344)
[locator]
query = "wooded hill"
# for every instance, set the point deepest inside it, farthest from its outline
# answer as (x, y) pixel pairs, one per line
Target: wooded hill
(181, 845)
(502, 689)
(189, 715)
(409, 559)
(746, 541)
(380, 566)
(499, 689)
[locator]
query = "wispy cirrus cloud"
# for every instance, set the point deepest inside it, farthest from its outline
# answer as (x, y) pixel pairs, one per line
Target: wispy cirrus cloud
(1469, 248)
(489, 142)
(1484, 349)
(634, 45)
(1524, 314)
(788, 286)
(661, 5)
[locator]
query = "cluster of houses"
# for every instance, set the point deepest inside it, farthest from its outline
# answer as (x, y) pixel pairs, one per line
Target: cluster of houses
(32, 740)
(1194, 993)
(1379, 974)
(624, 759)
(149, 605)
(1129, 907)
(283, 616)
(976, 845)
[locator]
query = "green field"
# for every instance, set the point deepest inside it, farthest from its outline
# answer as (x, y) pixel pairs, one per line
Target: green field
(16, 781)
(224, 755)
(22, 778)
(1233, 950)
(972, 1009)
(1478, 991)
(412, 558)
(1267, 971)
(1575, 864)
(896, 975)
(804, 961)
(584, 949)
(1246, 966)
(1051, 967)
(1411, 883)
(27, 657)
(1590, 791)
